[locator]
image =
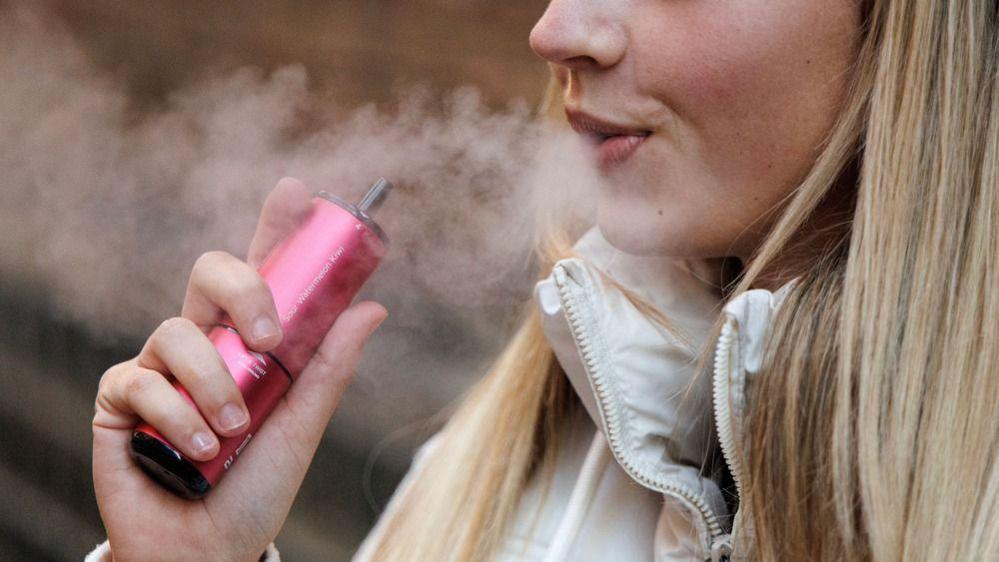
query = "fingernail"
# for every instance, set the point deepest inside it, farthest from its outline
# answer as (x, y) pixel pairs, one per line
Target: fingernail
(264, 328)
(231, 416)
(203, 442)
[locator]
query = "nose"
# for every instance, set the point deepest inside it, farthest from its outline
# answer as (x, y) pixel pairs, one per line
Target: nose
(579, 35)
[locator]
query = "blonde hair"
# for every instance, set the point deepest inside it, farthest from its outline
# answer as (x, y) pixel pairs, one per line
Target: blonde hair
(873, 431)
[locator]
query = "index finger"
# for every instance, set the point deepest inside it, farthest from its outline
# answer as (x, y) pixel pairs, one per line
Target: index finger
(284, 209)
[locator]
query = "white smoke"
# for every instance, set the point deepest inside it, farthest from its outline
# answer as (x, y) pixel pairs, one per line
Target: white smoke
(107, 204)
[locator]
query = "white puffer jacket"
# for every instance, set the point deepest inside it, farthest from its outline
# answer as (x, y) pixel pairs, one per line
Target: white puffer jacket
(627, 483)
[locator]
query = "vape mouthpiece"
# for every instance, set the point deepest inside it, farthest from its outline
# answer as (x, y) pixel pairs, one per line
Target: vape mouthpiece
(375, 196)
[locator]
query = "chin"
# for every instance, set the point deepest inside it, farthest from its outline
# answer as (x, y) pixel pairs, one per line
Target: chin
(639, 229)
(629, 240)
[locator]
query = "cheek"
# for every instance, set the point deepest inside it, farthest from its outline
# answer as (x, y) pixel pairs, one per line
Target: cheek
(754, 88)
(760, 86)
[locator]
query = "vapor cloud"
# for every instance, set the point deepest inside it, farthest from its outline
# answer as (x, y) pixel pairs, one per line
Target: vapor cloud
(107, 203)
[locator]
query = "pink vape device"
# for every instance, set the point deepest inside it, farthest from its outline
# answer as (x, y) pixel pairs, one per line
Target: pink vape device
(313, 274)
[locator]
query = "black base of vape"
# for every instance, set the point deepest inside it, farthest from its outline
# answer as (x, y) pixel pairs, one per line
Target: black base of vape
(167, 467)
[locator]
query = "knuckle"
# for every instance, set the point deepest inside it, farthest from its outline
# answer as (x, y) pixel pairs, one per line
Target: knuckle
(209, 260)
(140, 382)
(195, 379)
(287, 182)
(248, 287)
(208, 371)
(324, 359)
(206, 374)
(106, 378)
(172, 327)
(99, 400)
(207, 266)
(109, 387)
(338, 365)
(112, 378)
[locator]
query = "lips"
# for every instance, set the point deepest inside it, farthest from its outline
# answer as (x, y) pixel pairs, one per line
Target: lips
(614, 143)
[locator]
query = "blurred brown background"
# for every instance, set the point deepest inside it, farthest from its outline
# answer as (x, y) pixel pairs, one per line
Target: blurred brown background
(358, 50)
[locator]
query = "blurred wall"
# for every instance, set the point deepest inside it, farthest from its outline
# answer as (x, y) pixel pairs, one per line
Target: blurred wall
(357, 50)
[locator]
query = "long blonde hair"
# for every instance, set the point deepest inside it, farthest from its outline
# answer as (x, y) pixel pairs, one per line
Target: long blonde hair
(874, 432)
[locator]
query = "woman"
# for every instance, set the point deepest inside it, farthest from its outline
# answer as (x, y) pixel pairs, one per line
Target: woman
(847, 153)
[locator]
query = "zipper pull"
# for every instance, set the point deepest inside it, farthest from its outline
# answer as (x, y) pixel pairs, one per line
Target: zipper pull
(721, 548)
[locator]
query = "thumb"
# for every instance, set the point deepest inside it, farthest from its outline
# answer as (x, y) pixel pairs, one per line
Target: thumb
(314, 396)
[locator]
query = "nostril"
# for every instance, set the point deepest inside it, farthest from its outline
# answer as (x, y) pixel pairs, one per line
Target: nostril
(581, 62)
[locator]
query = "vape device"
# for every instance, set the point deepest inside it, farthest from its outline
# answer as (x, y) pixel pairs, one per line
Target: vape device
(313, 275)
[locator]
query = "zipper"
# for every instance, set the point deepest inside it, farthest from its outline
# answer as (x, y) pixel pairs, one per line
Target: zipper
(729, 412)
(722, 400)
(729, 396)
(721, 549)
(611, 417)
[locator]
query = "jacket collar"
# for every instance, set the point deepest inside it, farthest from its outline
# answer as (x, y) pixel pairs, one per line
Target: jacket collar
(752, 313)
(738, 356)
(630, 374)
